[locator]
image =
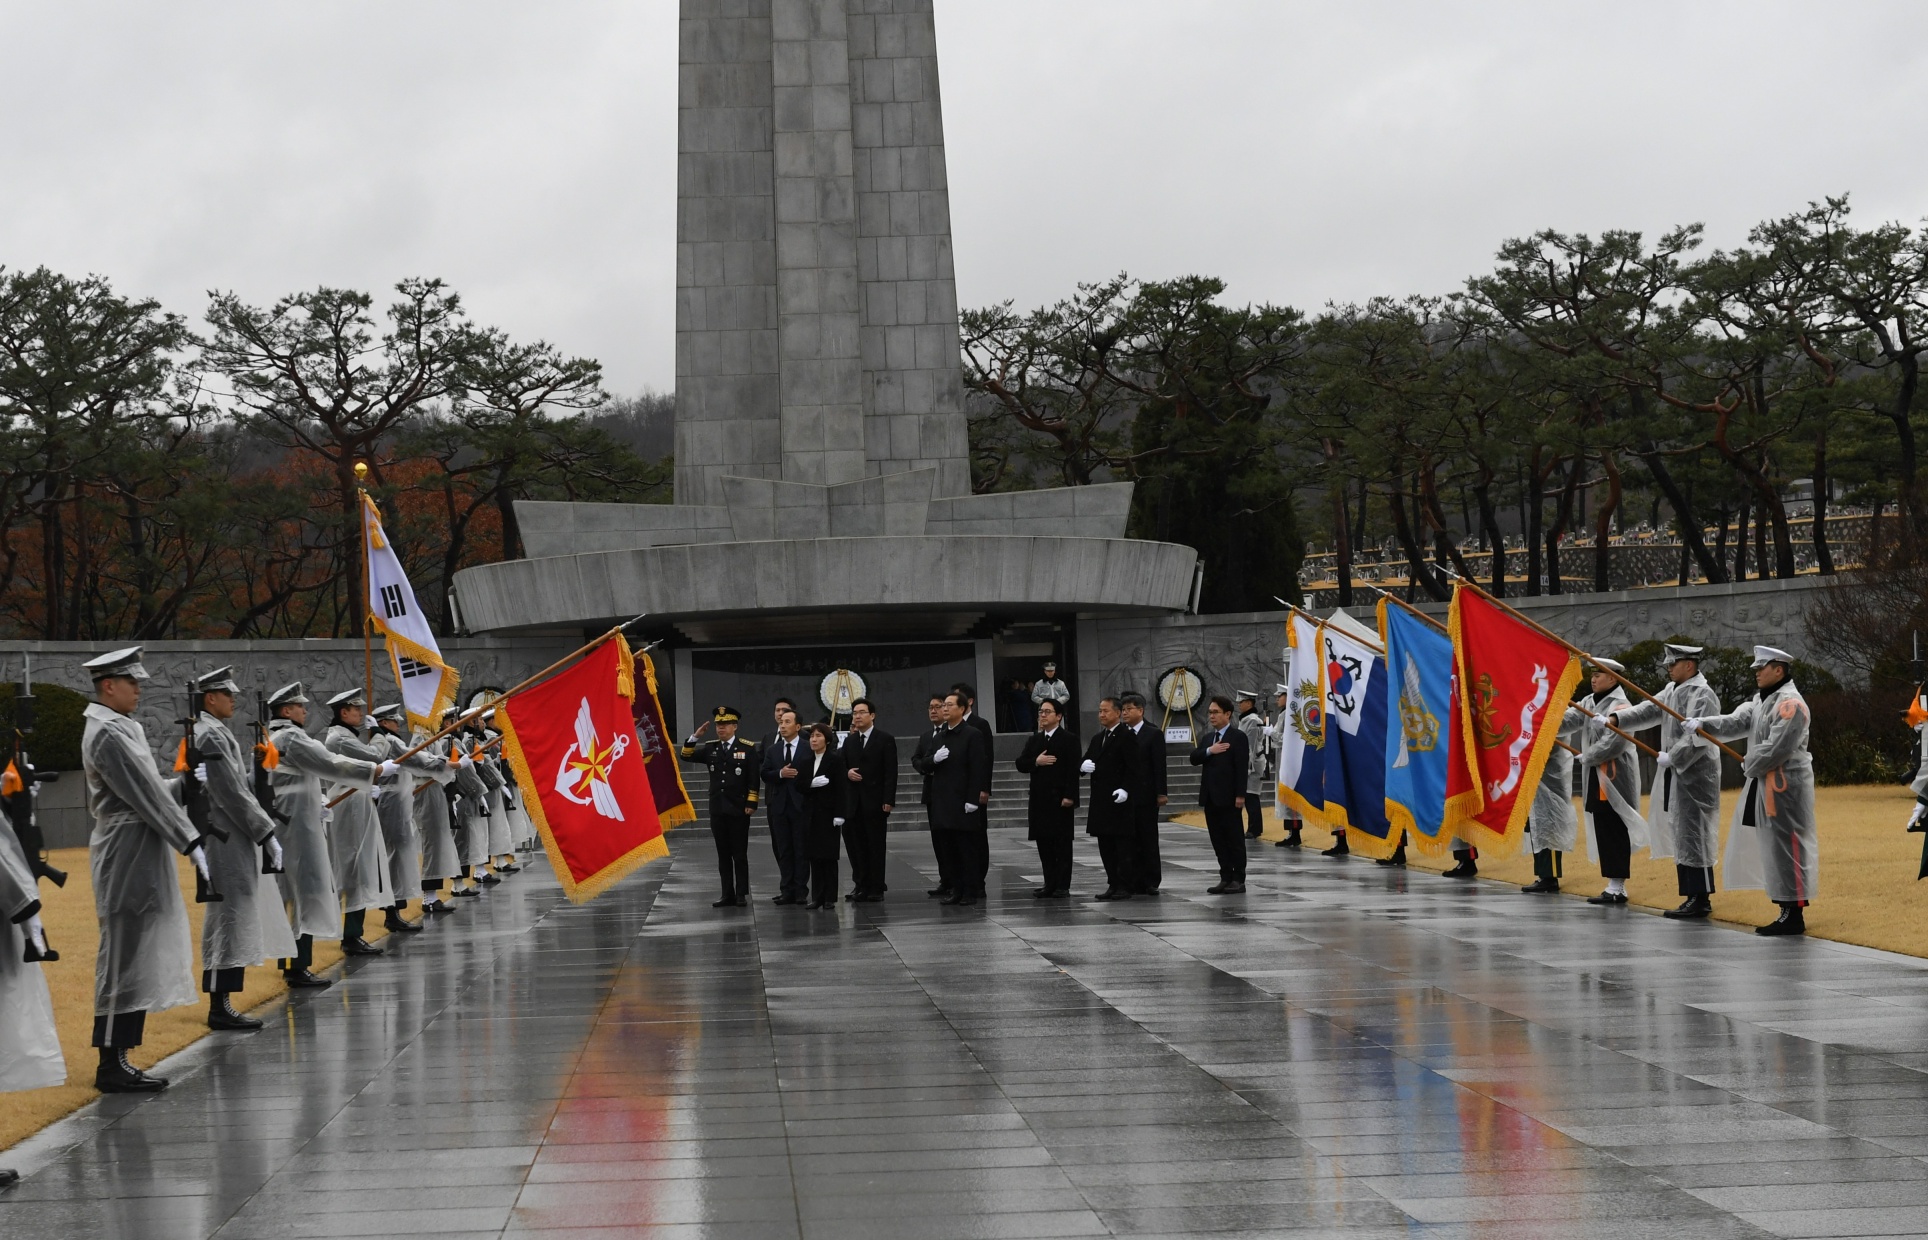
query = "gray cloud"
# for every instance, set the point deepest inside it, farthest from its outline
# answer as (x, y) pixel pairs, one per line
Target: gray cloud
(526, 153)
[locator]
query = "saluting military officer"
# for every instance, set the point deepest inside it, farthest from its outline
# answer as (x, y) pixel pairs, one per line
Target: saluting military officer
(248, 926)
(1686, 795)
(146, 961)
(733, 795)
(308, 882)
(355, 836)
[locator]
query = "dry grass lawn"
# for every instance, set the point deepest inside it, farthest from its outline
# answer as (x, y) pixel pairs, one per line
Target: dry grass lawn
(73, 931)
(1869, 894)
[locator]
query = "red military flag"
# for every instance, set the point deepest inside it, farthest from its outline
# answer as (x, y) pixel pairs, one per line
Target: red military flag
(572, 743)
(673, 807)
(1512, 685)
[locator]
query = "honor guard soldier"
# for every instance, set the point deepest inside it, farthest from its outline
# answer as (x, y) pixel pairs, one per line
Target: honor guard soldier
(145, 961)
(249, 926)
(468, 798)
(733, 795)
(1281, 720)
(441, 860)
(30, 1055)
(1551, 825)
(1610, 800)
(355, 835)
(1252, 723)
(1772, 840)
(308, 880)
(1048, 688)
(400, 811)
(501, 831)
(1686, 795)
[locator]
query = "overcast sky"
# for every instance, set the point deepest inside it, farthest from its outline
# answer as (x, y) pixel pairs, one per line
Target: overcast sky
(1302, 152)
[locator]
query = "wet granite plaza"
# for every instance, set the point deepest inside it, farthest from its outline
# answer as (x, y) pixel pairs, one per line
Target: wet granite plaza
(1344, 1050)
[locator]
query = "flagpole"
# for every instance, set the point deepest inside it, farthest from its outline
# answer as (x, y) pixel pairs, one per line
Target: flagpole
(1327, 623)
(1550, 635)
(368, 616)
(1390, 597)
(476, 711)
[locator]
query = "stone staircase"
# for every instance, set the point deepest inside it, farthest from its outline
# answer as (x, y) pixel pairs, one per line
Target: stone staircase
(1008, 786)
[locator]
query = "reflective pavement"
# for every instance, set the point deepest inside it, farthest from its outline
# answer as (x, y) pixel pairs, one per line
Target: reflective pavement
(1343, 1050)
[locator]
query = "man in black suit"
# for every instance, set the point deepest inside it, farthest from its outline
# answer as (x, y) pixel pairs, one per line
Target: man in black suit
(1225, 757)
(870, 762)
(1050, 757)
(782, 760)
(769, 738)
(960, 778)
(1117, 768)
(920, 761)
(1151, 742)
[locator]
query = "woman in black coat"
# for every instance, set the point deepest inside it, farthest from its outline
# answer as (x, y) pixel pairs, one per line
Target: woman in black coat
(824, 793)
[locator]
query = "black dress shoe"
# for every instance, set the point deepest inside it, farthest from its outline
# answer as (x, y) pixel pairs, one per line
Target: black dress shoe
(221, 1015)
(938, 893)
(1290, 841)
(783, 900)
(725, 902)
(487, 879)
(466, 893)
(121, 1077)
(963, 899)
(1692, 908)
(1605, 898)
(395, 923)
(1042, 893)
(360, 947)
(302, 979)
(1340, 849)
(1541, 887)
(956, 897)
(1233, 889)
(1791, 921)
(1465, 869)
(1398, 858)
(743, 901)
(8, 1178)
(436, 908)
(1216, 889)
(508, 867)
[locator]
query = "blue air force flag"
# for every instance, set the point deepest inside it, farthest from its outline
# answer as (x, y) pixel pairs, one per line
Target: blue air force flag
(1355, 728)
(1302, 761)
(1419, 659)
(428, 684)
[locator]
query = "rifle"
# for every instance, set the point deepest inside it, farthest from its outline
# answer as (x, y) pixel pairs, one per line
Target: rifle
(194, 795)
(261, 783)
(19, 803)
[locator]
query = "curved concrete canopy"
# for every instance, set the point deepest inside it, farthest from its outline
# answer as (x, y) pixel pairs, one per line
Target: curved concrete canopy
(903, 574)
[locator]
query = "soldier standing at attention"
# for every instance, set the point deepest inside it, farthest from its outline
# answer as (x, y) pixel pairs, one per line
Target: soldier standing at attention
(361, 872)
(1048, 688)
(733, 796)
(248, 926)
(145, 962)
(1686, 795)
(1252, 723)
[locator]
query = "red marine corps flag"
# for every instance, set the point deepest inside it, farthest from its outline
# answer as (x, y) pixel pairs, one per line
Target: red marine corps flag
(572, 743)
(1512, 686)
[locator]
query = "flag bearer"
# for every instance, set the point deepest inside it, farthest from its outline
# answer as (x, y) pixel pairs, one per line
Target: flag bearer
(1611, 795)
(1686, 796)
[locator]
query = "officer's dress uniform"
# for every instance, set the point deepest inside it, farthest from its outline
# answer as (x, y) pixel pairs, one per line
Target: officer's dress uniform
(1772, 842)
(249, 925)
(1684, 812)
(733, 798)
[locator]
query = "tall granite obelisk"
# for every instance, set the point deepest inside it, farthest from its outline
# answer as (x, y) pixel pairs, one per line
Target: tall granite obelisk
(816, 313)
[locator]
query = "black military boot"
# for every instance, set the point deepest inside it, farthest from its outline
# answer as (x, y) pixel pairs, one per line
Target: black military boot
(1546, 884)
(1291, 840)
(116, 1076)
(1691, 908)
(1398, 857)
(1467, 867)
(1339, 846)
(221, 1015)
(1791, 921)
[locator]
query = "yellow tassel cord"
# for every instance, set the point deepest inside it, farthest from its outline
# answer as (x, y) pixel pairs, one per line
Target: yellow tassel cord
(597, 883)
(684, 812)
(1399, 815)
(626, 669)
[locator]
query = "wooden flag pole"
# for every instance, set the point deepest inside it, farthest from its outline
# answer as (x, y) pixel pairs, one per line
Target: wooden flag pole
(1390, 597)
(1550, 635)
(1327, 623)
(1637, 742)
(526, 683)
(424, 787)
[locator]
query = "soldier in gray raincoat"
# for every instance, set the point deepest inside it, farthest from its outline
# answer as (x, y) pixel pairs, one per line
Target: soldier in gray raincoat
(308, 884)
(400, 811)
(355, 836)
(1771, 843)
(441, 859)
(30, 1055)
(1551, 826)
(146, 960)
(469, 811)
(501, 831)
(1610, 799)
(249, 926)
(1685, 811)
(1252, 723)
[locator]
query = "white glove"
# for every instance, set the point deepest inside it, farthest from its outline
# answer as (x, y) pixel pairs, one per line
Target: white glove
(1663, 759)
(836, 822)
(387, 768)
(201, 774)
(200, 860)
(1088, 767)
(1920, 811)
(970, 807)
(1119, 795)
(273, 846)
(464, 760)
(327, 815)
(375, 793)
(943, 752)
(1690, 725)
(36, 933)
(821, 781)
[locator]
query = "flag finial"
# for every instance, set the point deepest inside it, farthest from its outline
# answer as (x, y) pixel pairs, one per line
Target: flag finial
(361, 471)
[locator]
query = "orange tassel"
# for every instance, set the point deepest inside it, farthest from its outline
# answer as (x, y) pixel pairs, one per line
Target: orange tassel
(180, 757)
(270, 756)
(10, 781)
